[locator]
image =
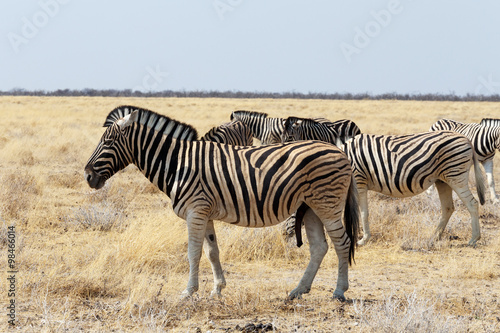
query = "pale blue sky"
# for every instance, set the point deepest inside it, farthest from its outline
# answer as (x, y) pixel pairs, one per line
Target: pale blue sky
(252, 45)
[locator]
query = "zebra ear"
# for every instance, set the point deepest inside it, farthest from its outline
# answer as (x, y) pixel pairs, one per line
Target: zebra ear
(128, 120)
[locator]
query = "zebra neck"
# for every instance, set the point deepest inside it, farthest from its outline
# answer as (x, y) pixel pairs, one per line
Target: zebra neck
(164, 163)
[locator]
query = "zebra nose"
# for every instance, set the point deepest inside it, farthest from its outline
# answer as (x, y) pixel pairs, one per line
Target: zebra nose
(89, 171)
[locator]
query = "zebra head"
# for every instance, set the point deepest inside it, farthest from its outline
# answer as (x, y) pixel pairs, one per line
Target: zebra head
(292, 130)
(112, 153)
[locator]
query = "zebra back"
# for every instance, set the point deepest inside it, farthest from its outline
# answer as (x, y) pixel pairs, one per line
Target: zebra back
(337, 132)
(405, 165)
(485, 137)
(234, 133)
(490, 122)
(445, 125)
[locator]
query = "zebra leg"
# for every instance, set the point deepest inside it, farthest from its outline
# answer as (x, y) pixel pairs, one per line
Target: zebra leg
(471, 203)
(341, 243)
(488, 168)
(212, 251)
(446, 197)
(363, 207)
(318, 247)
(196, 233)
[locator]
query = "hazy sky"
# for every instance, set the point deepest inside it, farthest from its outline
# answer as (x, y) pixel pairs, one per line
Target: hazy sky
(327, 46)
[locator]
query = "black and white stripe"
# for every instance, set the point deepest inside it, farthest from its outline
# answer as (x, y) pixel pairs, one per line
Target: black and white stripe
(245, 186)
(485, 138)
(233, 133)
(337, 132)
(406, 165)
(266, 129)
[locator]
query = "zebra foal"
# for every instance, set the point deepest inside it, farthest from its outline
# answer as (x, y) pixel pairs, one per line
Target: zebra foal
(485, 138)
(244, 186)
(406, 165)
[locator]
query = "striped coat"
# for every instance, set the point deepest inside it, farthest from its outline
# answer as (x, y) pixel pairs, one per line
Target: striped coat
(485, 138)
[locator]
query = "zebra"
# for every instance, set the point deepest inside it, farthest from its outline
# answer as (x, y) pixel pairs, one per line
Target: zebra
(268, 130)
(337, 132)
(245, 186)
(234, 133)
(406, 165)
(485, 138)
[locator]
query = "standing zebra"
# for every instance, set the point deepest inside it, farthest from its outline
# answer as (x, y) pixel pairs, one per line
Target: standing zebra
(267, 130)
(406, 165)
(233, 133)
(245, 186)
(337, 132)
(485, 138)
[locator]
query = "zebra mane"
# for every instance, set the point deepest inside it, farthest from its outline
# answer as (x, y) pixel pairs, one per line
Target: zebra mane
(253, 114)
(156, 121)
(490, 122)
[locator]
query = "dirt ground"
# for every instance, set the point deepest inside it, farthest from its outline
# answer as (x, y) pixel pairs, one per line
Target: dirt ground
(115, 259)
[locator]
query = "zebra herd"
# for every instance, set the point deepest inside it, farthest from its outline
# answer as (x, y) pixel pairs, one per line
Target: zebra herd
(313, 168)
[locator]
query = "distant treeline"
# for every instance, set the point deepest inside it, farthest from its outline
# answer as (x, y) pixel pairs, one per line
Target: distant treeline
(242, 94)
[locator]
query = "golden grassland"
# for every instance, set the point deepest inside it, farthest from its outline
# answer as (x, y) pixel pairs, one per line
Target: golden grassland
(116, 259)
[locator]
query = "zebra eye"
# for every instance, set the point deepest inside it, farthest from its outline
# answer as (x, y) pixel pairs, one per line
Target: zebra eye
(108, 142)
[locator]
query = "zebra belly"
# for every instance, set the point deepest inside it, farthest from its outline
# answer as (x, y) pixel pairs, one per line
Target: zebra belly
(402, 189)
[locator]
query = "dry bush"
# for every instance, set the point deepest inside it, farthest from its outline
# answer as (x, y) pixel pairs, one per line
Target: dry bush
(258, 244)
(17, 193)
(408, 314)
(101, 216)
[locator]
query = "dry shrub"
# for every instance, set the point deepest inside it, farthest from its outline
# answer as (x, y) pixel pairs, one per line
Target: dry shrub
(102, 216)
(101, 211)
(17, 194)
(257, 244)
(408, 314)
(411, 222)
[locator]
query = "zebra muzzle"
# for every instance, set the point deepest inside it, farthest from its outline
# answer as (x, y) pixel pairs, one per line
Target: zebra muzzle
(94, 179)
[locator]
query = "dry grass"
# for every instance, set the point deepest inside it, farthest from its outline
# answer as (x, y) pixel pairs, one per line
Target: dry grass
(116, 259)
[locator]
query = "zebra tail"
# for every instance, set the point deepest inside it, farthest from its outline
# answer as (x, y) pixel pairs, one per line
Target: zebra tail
(480, 186)
(351, 217)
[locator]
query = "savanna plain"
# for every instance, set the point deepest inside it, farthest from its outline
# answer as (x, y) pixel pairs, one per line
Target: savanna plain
(116, 259)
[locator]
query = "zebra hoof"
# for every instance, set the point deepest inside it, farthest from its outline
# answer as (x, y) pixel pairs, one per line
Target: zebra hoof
(186, 294)
(297, 293)
(340, 298)
(215, 294)
(473, 243)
